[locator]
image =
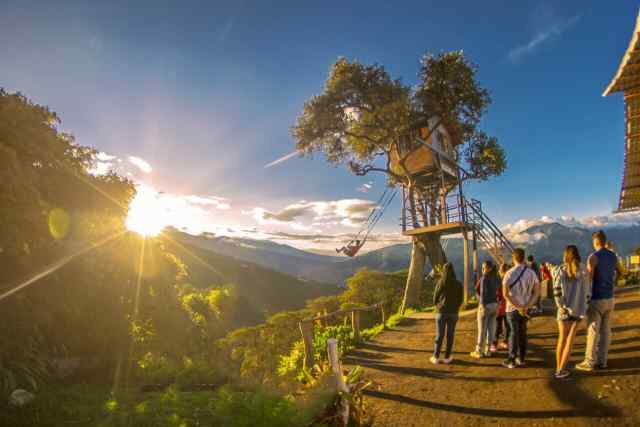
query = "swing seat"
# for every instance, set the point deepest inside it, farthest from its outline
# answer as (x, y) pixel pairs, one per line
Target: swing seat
(352, 251)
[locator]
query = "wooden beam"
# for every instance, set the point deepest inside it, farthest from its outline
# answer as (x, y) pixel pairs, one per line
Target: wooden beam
(449, 228)
(466, 266)
(340, 312)
(476, 267)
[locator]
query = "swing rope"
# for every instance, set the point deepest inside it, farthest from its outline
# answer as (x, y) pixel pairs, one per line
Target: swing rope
(376, 214)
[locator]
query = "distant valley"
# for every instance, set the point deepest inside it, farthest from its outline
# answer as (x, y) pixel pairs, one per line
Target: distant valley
(545, 242)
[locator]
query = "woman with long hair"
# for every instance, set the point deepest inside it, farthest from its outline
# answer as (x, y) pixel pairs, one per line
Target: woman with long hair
(447, 299)
(571, 291)
(487, 291)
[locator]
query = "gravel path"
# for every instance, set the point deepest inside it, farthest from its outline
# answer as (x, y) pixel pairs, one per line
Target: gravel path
(409, 391)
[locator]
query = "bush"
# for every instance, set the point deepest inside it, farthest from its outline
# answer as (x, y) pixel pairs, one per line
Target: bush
(95, 405)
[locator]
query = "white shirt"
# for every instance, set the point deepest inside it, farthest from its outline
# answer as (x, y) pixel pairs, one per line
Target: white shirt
(520, 293)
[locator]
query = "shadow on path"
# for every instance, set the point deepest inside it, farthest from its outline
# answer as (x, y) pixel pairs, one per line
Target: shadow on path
(485, 412)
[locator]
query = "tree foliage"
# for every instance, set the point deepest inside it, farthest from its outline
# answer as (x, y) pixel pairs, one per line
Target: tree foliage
(362, 114)
(43, 172)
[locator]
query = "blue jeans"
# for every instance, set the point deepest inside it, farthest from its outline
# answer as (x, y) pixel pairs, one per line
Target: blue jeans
(445, 322)
(518, 336)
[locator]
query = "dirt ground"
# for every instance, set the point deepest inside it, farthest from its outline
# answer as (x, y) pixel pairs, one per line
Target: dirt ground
(407, 390)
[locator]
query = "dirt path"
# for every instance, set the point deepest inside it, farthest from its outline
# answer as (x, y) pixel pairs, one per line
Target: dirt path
(409, 391)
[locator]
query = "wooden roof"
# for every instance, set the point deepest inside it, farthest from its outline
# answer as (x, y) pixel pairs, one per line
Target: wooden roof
(628, 75)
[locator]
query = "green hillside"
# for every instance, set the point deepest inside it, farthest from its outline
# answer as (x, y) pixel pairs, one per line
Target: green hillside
(264, 291)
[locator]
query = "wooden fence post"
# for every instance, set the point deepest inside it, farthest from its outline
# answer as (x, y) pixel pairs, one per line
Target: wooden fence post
(336, 367)
(355, 325)
(306, 329)
(384, 317)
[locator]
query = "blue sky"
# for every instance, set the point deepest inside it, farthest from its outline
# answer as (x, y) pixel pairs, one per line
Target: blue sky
(206, 92)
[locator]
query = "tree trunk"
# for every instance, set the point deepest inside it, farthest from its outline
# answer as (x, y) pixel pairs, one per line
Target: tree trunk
(416, 274)
(422, 247)
(434, 249)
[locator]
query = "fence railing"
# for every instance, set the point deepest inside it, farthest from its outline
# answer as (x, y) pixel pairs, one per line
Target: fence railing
(306, 326)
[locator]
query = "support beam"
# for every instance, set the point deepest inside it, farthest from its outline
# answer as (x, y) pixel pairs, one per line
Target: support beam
(465, 262)
(476, 266)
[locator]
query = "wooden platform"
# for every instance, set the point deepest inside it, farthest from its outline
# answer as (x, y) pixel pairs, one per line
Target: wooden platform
(442, 229)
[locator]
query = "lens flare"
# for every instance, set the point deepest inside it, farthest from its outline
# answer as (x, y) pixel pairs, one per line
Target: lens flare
(146, 213)
(59, 222)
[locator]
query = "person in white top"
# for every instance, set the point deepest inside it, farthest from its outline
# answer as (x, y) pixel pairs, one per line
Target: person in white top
(521, 289)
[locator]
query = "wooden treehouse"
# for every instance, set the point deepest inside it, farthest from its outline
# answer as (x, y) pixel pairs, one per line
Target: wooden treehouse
(627, 80)
(433, 201)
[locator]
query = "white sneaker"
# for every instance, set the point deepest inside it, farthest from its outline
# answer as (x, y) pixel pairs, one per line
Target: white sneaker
(447, 360)
(434, 360)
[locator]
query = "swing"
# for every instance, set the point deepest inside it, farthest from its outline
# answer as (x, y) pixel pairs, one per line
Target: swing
(352, 248)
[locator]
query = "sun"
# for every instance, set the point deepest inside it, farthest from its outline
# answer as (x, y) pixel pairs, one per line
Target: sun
(146, 216)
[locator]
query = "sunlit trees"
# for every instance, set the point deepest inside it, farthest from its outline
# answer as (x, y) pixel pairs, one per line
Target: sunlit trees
(363, 115)
(368, 287)
(44, 180)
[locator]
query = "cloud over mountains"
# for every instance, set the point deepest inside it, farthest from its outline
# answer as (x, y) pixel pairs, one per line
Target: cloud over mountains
(345, 212)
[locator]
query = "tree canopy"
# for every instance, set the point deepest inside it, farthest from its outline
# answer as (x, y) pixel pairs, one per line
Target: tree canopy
(45, 181)
(363, 113)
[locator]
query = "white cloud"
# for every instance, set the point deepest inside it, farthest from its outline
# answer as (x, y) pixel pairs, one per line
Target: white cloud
(364, 188)
(142, 164)
(346, 212)
(550, 33)
(515, 230)
(101, 168)
(105, 157)
(218, 202)
(194, 214)
(103, 164)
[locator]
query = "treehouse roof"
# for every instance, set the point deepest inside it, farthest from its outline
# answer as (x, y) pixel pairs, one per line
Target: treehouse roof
(627, 76)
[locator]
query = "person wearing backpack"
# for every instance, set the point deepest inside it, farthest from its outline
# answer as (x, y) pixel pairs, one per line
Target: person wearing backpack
(447, 298)
(521, 289)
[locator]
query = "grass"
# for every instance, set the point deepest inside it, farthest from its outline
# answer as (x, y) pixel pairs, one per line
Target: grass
(94, 405)
(392, 322)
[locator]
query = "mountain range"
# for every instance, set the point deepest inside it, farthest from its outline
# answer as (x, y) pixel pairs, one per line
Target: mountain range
(545, 241)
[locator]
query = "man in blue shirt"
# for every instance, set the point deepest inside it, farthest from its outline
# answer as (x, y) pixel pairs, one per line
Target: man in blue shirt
(604, 268)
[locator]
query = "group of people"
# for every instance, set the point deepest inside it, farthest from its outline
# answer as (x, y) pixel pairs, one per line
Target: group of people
(509, 295)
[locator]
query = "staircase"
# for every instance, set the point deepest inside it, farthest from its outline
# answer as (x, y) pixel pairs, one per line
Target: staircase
(487, 232)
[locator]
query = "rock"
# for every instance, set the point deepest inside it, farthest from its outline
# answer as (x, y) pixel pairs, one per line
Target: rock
(20, 397)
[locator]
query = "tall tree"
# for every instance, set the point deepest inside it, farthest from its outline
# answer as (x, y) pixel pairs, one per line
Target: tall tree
(363, 116)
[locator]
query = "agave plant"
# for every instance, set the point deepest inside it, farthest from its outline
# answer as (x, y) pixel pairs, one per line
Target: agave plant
(23, 364)
(321, 375)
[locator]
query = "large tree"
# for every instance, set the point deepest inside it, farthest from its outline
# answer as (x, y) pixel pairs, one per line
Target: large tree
(363, 115)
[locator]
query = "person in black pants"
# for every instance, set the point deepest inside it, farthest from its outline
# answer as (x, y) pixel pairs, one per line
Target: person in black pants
(521, 289)
(447, 299)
